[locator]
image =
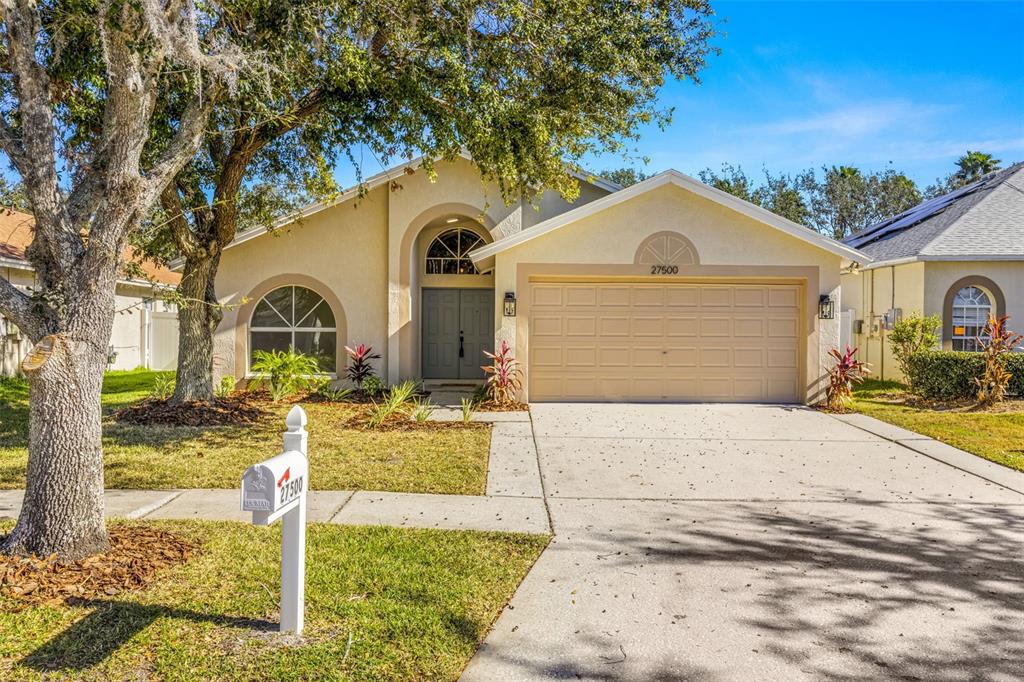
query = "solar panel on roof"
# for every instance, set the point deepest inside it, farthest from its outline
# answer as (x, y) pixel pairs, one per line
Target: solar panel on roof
(910, 217)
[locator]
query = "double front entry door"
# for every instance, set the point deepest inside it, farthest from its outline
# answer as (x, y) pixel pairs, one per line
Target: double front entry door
(458, 326)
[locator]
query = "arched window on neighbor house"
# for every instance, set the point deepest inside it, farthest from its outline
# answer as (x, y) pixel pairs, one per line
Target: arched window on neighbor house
(295, 317)
(448, 254)
(972, 307)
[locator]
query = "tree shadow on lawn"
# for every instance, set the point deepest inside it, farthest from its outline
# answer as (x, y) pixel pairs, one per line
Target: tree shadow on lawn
(900, 591)
(94, 638)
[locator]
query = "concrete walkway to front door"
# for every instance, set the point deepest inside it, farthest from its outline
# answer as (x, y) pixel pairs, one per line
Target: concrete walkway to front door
(753, 542)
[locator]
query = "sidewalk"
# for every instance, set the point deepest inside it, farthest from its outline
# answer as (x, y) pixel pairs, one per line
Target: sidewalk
(513, 501)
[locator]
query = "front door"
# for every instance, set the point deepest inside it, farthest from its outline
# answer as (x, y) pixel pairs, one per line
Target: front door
(458, 325)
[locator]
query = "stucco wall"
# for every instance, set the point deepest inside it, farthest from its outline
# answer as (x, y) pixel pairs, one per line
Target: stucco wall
(919, 287)
(722, 237)
(870, 293)
(1007, 275)
(343, 249)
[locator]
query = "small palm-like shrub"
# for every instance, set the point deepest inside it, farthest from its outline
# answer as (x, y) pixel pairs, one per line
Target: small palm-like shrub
(163, 386)
(225, 387)
(421, 410)
(286, 372)
(394, 402)
(504, 378)
(846, 372)
(359, 367)
(467, 410)
(996, 341)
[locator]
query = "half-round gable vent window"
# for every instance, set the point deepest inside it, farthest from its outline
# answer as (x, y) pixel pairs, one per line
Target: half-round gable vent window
(448, 254)
(666, 248)
(295, 317)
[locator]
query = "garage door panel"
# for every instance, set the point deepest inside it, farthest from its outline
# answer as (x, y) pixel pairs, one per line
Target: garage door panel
(614, 326)
(782, 328)
(581, 326)
(546, 325)
(614, 296)
(716, 327)
(716, 297)
(649, 296)
(651, 341)
(682, 297)
(681, 326)
(648, 357)
(614, 356)
(682, 357)
(648, 326)
(546, 295)
(748, 358)
(749, 327)
(782, 297)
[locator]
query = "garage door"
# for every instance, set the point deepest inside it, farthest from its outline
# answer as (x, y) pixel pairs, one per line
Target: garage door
(655, 341)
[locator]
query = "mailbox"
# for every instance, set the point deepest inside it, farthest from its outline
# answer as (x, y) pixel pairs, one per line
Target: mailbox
(277, 489)
(271, 488)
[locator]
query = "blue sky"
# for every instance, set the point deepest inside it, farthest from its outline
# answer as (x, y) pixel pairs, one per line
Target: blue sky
(802, 84)
(806, 84)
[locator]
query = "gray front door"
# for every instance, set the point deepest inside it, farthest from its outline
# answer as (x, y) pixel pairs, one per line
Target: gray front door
(458, 325)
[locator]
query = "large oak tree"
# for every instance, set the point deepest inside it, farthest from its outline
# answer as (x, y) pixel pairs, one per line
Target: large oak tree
(522, 85)
(80, 84)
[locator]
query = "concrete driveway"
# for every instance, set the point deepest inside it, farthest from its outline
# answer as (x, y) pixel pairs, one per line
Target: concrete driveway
(719, 542)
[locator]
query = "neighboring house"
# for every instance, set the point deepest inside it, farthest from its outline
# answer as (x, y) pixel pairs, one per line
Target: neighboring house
(959, 256)
(145, 332)
(666, 290)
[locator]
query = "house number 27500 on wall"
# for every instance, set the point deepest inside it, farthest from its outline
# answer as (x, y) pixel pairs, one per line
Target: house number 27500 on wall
(664, 269)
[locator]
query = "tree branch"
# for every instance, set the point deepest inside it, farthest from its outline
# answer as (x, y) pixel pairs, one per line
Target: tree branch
(183, 145)
(16, 305)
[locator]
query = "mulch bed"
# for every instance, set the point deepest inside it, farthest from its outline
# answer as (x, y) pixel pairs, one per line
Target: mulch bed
(137, 553)
(904, 398)
(401, 421)
(488, 406)
(233, 411)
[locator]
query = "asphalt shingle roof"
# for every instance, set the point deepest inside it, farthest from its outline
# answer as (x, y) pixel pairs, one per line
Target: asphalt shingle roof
(985, 218)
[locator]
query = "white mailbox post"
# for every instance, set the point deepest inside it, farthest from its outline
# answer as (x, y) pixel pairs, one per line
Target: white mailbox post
(277, 488)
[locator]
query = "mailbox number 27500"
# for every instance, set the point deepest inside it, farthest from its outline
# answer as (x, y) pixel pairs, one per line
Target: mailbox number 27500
(291, 490)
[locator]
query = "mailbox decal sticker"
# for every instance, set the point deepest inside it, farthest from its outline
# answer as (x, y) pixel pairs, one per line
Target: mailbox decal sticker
(284, 477)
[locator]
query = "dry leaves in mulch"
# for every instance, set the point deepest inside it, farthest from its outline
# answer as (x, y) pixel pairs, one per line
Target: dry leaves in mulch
(490, 406)
(234, 411)
(136, 553)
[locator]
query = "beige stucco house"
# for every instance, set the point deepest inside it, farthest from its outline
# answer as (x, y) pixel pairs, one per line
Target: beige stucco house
(666, 290)
(959, 256)
(145, 330)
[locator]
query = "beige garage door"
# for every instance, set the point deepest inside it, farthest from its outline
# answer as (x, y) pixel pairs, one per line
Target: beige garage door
(655, 341)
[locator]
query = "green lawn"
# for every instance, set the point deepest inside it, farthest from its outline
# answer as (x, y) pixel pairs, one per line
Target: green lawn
(416, 604)
(449, 460)
(993, 435)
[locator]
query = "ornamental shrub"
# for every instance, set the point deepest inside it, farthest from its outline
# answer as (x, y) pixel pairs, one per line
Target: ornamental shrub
(945, 374)
(913, 335)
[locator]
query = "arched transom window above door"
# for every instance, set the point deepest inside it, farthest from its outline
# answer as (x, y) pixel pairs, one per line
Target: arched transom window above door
(295, 317)
(972, 306)
(448, 254)
(666, 248)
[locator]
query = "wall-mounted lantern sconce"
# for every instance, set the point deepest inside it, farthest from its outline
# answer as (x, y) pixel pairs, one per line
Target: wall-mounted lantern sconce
(826, 307)
(510, 304)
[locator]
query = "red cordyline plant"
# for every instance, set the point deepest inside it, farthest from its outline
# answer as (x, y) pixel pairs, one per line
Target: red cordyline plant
(996, 341)
(504, 378)
(359, 368)
(846, 372)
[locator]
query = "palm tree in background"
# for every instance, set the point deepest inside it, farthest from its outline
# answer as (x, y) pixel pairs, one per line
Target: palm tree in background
(974, 165)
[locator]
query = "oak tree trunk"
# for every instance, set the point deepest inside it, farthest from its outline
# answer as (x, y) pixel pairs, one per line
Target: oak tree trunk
(62, 512)
(198, 318)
